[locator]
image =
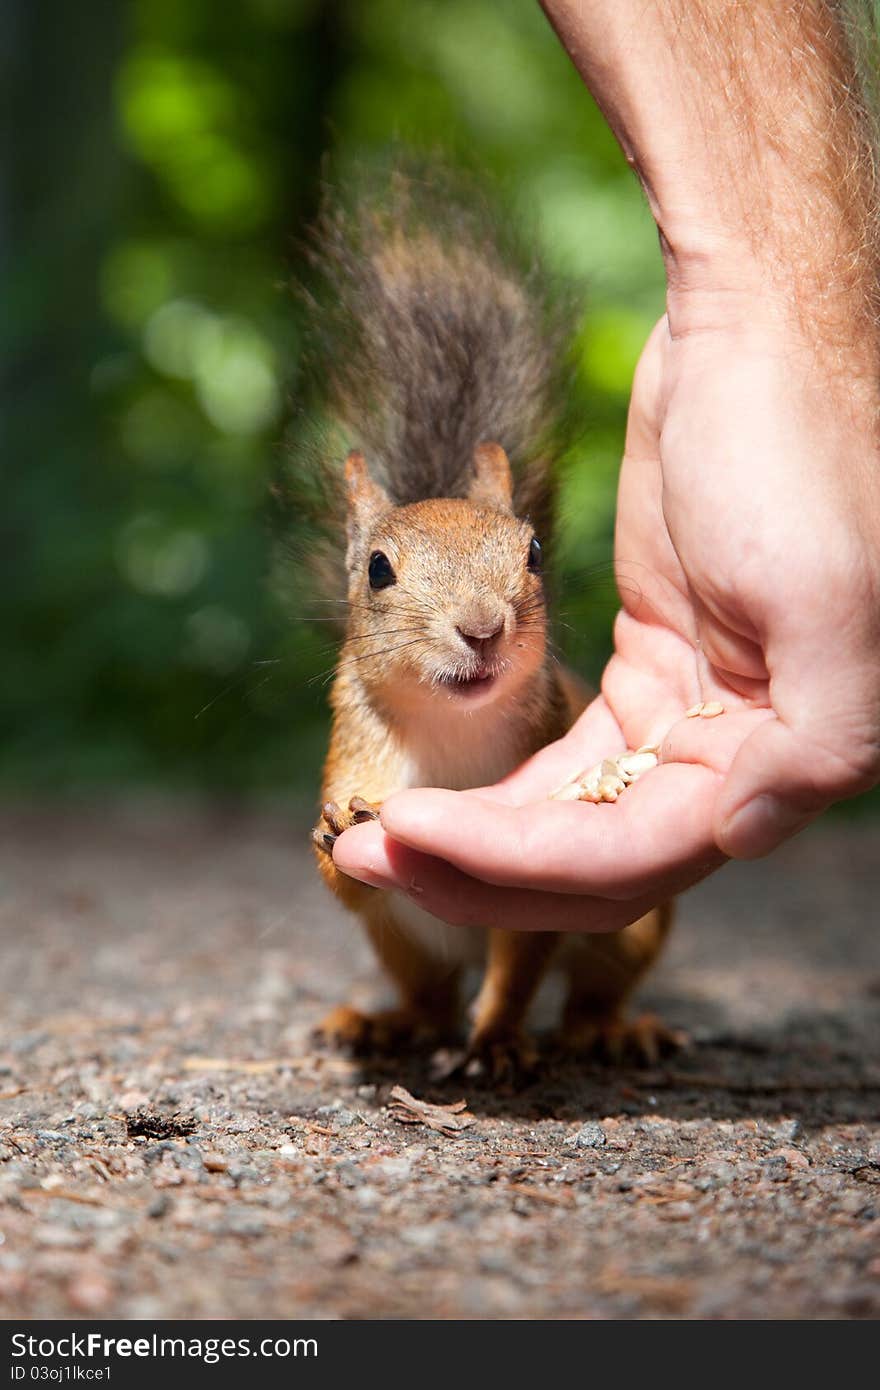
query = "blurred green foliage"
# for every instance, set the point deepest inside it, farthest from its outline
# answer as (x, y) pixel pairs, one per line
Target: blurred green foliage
(162, 164)
(167, 158)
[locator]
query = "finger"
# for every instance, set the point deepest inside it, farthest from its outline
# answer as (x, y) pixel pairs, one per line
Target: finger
(780, 780)
(821, 746)
(446, 893)
(660, 828)
(714, 742)
(647, 701)
(646, 400)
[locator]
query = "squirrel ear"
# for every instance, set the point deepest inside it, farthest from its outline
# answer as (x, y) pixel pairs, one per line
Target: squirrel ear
(366, 499)
(493, 481)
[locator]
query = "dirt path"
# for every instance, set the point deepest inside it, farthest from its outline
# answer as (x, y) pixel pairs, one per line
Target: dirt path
(173, 964)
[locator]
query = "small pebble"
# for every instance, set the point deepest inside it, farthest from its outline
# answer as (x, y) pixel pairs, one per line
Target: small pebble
(215, 1163)
(337, 1112)
(590, 1136)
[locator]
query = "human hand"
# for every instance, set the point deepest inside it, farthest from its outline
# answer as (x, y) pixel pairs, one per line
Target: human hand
(748, 558)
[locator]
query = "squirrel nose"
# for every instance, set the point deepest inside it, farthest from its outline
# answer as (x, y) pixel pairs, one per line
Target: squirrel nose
(481, 635)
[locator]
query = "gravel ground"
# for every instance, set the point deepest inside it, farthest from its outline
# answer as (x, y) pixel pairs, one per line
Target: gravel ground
(171, 1146)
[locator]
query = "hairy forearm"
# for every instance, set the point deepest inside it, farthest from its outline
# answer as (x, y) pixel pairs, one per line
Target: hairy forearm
(747, 127)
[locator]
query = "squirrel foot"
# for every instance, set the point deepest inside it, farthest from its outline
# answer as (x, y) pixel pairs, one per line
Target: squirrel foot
(334, 820)
(507, 1059)
(642, 1041)
(351, 1030)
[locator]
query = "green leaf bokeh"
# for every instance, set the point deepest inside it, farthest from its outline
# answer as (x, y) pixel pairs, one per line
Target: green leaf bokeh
(164, 162)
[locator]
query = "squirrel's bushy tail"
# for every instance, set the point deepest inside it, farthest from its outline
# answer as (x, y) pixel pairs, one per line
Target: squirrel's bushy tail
(429, 334)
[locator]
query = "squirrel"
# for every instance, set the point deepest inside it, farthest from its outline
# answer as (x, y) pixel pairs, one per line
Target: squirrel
(441, 370)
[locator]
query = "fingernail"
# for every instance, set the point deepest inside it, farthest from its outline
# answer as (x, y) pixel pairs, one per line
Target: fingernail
(760, 826)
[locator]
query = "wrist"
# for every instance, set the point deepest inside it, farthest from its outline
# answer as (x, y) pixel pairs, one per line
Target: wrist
(765, 204)
(718, 286)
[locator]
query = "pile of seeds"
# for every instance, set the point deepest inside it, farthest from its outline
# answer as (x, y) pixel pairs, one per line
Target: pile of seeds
(611, 776)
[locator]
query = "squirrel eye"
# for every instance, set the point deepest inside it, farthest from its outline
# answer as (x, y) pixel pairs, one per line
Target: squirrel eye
(536, 556)
(380, 572)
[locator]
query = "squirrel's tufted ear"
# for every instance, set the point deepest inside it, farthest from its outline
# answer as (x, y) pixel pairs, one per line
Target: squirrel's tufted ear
(367, 501)
(493, 481)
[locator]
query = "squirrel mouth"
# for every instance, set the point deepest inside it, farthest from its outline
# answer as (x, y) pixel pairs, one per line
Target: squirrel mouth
(479, 681)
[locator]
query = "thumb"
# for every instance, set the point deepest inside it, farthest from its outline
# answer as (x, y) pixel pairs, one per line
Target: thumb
(780, 780)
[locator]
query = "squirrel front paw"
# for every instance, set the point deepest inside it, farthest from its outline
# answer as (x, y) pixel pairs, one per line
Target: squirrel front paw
(506, 1058)
(334, 820)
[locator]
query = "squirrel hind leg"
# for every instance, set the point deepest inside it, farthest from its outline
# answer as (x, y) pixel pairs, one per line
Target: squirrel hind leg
(643, 1040)
(500, 1052)
(426, 1022)
(602, 972)
(428, 989)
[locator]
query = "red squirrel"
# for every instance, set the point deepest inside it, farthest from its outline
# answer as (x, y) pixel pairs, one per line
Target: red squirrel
(446, 392)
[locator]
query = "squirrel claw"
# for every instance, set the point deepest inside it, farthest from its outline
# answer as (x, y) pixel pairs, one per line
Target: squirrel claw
(334, 821)
(334, 816)
(507, 1061)
(641, 1042)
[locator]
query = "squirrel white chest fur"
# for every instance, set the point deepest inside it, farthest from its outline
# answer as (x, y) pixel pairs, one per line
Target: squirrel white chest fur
(456, 749)
(459, 749)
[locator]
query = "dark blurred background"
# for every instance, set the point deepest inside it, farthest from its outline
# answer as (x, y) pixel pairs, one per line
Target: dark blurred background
(162, 160)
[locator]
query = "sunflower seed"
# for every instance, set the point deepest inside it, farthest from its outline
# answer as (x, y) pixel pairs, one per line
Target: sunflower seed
(633, 765)
(610, 788)
(610, 777)
(571, 791)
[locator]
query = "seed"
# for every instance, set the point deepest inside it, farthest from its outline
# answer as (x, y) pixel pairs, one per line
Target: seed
(633, 765)
(608, 779)
(694, 711)
(711, 710)
(571, 791)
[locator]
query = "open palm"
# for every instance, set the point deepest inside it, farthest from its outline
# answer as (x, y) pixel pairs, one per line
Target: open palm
(747, 554)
